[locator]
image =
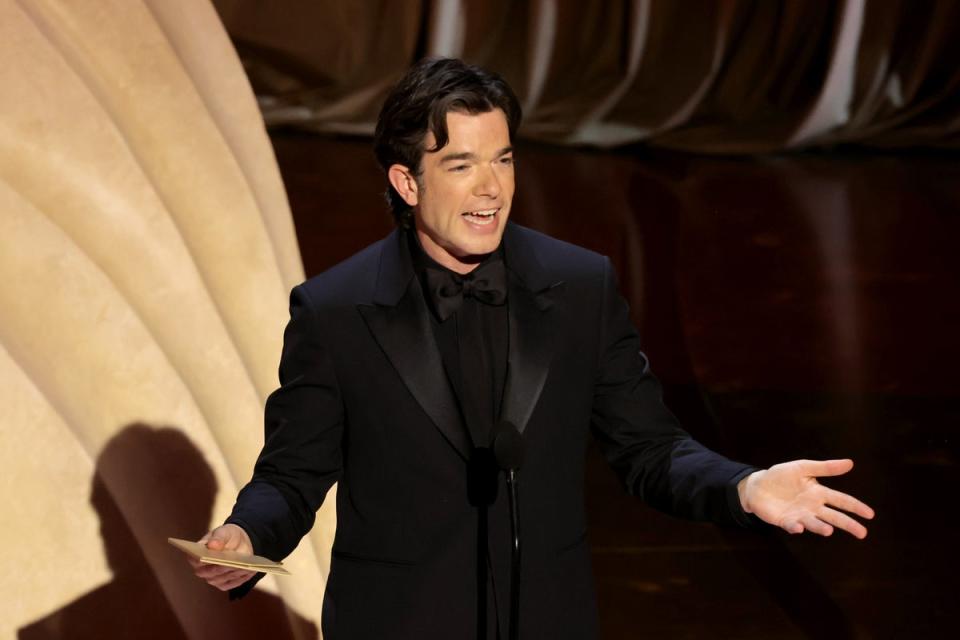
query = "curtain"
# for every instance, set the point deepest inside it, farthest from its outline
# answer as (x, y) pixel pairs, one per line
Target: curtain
(708, 76)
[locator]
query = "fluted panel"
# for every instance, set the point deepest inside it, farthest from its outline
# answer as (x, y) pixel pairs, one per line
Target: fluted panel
(147, 253)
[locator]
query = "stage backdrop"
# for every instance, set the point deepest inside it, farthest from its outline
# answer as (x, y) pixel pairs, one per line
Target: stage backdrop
(721, 76)
(146, 254)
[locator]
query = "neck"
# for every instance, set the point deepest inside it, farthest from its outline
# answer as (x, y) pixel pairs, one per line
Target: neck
(441, 256)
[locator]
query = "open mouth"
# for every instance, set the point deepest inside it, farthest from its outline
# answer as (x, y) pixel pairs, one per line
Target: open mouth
(482, 217)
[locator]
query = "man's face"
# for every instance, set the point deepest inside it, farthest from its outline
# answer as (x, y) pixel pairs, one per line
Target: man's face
(465, 190)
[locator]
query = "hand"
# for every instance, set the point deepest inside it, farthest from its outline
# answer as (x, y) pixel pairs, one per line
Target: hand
(228, 537)
(788, 495)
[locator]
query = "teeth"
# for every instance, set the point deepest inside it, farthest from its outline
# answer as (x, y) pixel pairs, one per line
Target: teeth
(484, 217)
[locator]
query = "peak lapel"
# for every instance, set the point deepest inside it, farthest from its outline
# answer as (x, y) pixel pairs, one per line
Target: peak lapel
(399, 322)
(532, 297)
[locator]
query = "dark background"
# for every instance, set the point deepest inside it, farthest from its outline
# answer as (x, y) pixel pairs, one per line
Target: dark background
(777, 184)
(794, 306)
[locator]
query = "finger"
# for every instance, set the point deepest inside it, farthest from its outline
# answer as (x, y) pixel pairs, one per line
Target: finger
(211, 571)
(824, 468)
(848, 503)
(236, 582)
(227, 576)
(233, 579)
(843, 521)
(815, 525)
(792, 526)
(230, 579)
(227, 585)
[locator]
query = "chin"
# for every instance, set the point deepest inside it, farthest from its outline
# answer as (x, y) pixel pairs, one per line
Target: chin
(480, 246)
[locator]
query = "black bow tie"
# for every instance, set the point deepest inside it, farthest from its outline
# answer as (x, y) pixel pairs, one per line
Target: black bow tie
(487, 284)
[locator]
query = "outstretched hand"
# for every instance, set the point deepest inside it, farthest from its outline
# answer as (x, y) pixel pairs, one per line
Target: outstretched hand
(788, 495)
(228, 537)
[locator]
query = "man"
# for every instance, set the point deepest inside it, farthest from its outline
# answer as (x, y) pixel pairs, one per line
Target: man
(398, 362)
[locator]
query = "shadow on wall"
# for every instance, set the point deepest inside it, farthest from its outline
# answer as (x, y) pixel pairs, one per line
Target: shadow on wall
(159, 476)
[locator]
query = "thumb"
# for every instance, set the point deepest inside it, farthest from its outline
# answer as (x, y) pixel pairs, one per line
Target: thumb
(218, 539)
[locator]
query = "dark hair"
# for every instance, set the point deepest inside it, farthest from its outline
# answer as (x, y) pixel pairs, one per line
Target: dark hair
(420, 102)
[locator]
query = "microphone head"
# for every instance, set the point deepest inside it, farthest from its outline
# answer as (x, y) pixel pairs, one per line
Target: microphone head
(507, 446)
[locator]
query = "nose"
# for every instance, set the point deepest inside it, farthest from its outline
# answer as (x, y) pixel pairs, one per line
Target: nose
(488, 184)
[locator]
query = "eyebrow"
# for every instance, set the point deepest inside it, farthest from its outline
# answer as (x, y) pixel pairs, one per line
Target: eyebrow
(469, 155)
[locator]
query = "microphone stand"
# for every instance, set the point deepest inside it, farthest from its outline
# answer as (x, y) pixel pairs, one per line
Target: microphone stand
(514, 555)
(508, 451)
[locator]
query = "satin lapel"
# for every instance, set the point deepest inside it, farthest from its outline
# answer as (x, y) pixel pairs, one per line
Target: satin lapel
(532, 334)
(400, 324)
(532, 297)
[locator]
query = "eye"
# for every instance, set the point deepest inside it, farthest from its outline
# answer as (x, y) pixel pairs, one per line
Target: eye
(460, 168)
(506, 160)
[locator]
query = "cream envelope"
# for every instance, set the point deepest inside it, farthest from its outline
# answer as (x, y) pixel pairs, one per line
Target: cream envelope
(228, 558)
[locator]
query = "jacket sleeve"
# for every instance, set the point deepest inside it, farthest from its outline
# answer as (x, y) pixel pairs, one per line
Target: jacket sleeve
(301, 456)
(642, 440)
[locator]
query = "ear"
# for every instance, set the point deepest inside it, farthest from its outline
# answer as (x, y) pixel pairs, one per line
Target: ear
(404, 182)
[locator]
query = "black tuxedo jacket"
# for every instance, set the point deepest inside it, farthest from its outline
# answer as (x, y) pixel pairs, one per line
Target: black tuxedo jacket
(364, 400)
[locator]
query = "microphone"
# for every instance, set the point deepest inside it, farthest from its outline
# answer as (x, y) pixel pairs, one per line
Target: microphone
(508, 452)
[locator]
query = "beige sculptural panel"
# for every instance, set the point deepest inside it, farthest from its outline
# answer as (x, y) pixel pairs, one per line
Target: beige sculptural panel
(147, 253)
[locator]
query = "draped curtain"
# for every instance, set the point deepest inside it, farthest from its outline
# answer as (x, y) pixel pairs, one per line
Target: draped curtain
(710, 76)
